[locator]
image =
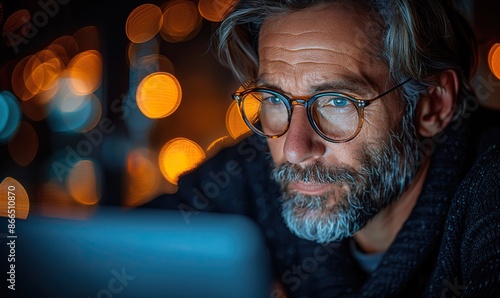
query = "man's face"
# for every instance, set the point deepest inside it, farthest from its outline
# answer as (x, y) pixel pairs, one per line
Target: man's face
(332, 189)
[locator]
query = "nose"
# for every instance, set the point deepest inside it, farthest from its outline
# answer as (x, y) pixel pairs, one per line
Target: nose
(302, 144)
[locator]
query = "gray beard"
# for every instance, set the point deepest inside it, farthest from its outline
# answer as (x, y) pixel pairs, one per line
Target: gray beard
(386, 171)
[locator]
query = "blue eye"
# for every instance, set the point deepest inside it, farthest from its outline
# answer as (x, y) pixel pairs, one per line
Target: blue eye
(272, 99)
(339, 102)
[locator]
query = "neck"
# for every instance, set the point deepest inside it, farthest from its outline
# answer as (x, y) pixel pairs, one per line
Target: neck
(381, 231)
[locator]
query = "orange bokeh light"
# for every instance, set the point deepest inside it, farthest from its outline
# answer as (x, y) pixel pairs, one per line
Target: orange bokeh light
(42, 71)
(181, 21)
(179, 156)
(143, 23)
(214, 10)
(158, 95)
(143, 178)
(494, 60)
(36, 74)
(8, 188)
(85, 72)
(82, 183)
(235, 124)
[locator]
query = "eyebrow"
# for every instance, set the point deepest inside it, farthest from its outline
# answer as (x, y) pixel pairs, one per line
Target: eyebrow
(344, 84)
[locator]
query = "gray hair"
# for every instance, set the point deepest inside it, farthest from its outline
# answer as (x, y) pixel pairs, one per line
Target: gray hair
(420, 39)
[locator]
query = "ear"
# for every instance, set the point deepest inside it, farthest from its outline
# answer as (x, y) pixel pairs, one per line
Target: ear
(436, 107)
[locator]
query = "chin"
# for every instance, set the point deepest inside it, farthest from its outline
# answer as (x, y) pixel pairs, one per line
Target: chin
(315, 218)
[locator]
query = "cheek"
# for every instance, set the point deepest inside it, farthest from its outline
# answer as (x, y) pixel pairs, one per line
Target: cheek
(345, 154)
(373, 130)
(276, 149)
(379, 122)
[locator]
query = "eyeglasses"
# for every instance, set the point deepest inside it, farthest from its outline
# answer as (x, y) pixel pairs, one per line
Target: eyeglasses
(336, 117)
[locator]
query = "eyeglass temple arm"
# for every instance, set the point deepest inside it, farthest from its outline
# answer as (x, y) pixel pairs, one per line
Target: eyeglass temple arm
(366, 102)
(392, 89)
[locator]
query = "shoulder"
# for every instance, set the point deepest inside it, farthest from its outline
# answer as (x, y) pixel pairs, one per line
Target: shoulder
(479, 197)
(475, 207)
(484, 177)
(481, 182)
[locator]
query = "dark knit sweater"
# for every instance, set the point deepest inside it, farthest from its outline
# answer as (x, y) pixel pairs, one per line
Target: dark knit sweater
(448, 247)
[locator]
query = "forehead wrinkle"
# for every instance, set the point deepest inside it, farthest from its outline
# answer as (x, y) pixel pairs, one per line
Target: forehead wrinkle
(308, 51)
(305, 36)
(341, 79)
(307, 40)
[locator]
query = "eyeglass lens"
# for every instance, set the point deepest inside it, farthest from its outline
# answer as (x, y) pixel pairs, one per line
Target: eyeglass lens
(335, 115)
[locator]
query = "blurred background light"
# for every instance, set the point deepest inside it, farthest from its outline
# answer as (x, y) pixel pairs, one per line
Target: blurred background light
(22, 198)
(41, 72)
(73, 112)
(158, 95)
(83, 183)
(179, 156)
(85, 72)
(214, 10)
(4, 112)
(143, 178)
(494, 59)
(181, 21)
(143, 23)
(234, 123)
(10, 116)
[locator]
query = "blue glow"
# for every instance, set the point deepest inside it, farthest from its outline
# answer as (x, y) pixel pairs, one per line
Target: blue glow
(70, 113)
(153, 253)
(10, 116)
(4, 112)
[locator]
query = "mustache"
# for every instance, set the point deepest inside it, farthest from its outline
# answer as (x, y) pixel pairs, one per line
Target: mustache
(316, 173)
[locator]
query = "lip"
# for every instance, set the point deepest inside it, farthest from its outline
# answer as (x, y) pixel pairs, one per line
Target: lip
(312, 189)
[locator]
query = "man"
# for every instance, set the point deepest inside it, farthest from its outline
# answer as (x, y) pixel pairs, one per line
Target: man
(366, 109)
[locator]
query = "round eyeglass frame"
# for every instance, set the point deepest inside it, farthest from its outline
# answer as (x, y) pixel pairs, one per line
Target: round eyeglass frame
(359, 104)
